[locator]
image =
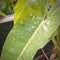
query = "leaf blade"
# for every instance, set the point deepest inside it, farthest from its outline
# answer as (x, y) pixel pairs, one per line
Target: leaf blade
(23, 33)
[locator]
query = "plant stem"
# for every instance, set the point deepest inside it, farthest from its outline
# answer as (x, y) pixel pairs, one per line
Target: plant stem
(7, 18)
(45, 54)
(55, 43)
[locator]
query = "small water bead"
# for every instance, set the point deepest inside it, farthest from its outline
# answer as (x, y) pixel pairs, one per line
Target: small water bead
(32, 26)
(45, 27)
(48, 22)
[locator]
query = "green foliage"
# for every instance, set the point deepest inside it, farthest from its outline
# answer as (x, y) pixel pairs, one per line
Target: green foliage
(30, 31)
(58, 41)
(33, 8)
(6, 7)
(1, 13)
(58, 36)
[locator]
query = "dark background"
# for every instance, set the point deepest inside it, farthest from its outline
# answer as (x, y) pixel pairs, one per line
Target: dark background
(4, 30)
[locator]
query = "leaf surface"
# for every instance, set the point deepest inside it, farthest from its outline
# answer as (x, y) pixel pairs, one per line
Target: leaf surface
(30, 31)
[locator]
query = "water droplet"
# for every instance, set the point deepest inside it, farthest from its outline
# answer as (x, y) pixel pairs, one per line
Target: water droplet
(45, 28)
(48, 23)
(32, 26)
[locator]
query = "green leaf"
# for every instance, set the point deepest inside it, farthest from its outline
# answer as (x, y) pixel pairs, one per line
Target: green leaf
(26, 24)
(6, 6)
(58, 42)
(7, 9)
(58, 36)
(2, 14)
(27, 8)
(30, 31)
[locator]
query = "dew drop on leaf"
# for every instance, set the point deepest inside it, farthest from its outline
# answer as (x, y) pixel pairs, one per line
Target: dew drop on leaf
(32, 26)
(48, 23)
(45, 28)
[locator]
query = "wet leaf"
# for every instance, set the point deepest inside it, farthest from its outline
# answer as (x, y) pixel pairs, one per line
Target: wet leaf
(30, 31)
(58, 36)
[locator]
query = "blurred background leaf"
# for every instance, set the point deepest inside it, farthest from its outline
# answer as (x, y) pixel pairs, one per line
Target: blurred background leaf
(6, 7)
